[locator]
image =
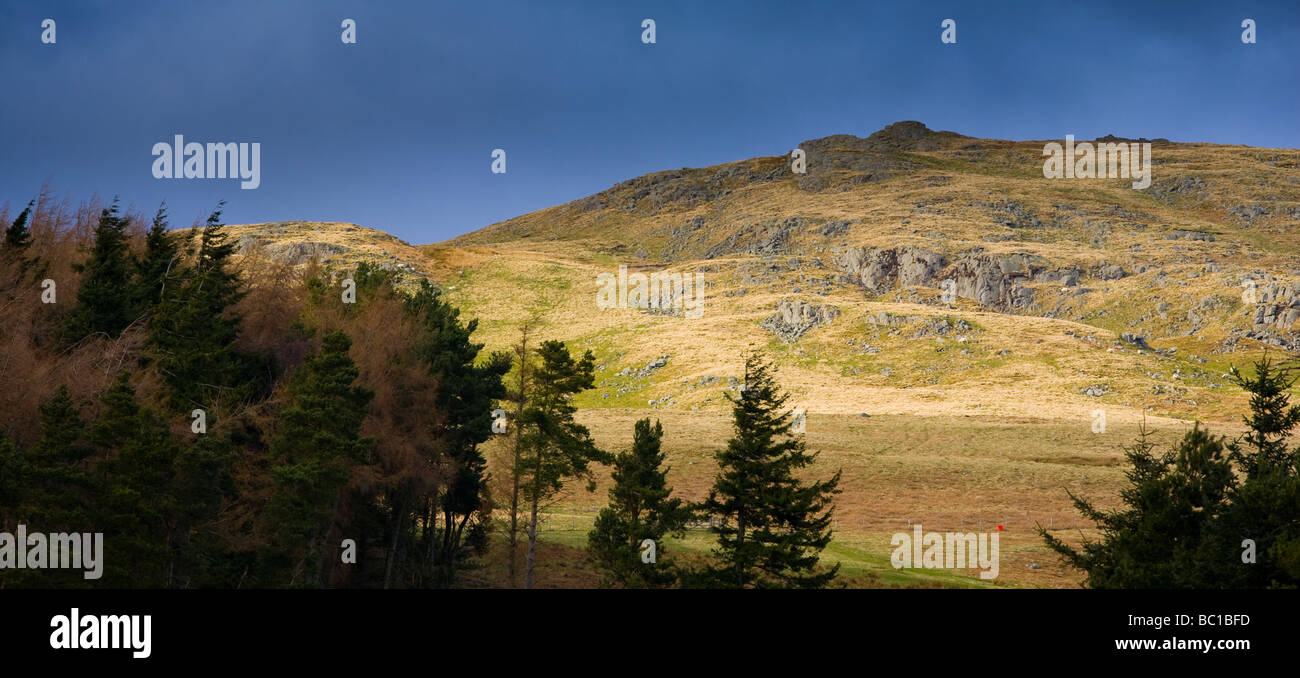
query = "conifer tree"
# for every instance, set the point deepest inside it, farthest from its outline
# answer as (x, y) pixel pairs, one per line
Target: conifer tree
(465, 394)
(103, 304)
(1208, 514)
(555, 448)
(194, 329)
(140, 505)
(161, 253)
(316, 447)
(18, 236)
(640, 507)
(1271, 420)
(774, 526)
(60, 466)
(14, 481)
(1266, 503)
(517, 394)
(1159, 539)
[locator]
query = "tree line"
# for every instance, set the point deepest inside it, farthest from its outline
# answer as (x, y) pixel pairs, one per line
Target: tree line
(254, 428)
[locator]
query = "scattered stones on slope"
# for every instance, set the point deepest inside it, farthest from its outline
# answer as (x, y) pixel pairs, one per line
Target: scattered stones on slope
(645, 371)
(1135, 339)
(1011, 214)
(1172, 188)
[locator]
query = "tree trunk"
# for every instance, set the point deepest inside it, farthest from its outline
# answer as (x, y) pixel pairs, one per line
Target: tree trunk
(520, 400)
(740, 546)
(532, 545)
(392, 550)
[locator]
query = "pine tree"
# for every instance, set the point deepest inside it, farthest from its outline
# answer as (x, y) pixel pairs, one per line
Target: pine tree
(161, 253)
(640, 507)
(555, 448)
(316, 446)
(140, 505)
(465, 394)
(518, 396)
(1266, 504)
(1272, 418)
(103, 302)
(194, 329)
(774, 526)
(60, 462)
(14, 481)
(1161, 538)
(18, 236)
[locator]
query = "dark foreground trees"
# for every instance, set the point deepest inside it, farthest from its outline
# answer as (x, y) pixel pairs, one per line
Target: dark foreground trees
(554, 447)
(641, 507)
(774, 524)
(1209, 513)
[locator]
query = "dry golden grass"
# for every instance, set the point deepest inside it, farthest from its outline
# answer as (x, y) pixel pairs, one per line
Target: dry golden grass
(961, 434)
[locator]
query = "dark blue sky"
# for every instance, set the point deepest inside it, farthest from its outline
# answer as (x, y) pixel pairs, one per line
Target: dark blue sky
(396, 131)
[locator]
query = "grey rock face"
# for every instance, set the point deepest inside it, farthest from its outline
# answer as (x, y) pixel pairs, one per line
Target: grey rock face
(880, 269)
(299, 252)
(991, 280)
(1275, 317)
(998, 280)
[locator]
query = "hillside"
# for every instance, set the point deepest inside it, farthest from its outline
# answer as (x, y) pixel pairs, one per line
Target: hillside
(1067, 297)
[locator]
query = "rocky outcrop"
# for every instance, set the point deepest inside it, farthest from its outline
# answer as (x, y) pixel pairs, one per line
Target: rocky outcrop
(841, 161)
(302, 252)
(880, 269)
(1276, 317)
(794, 318)
(996, 280)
